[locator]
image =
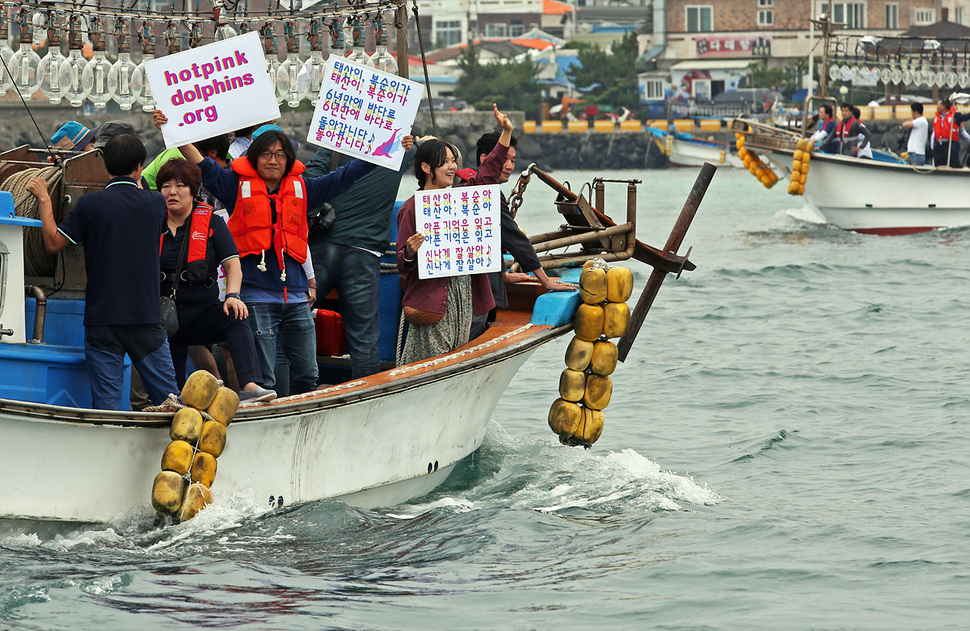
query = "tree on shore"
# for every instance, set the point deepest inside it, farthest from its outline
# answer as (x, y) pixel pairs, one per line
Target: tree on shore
(512, 84)
(608, 78)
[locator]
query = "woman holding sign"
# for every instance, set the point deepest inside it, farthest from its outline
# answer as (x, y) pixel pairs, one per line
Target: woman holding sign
(439, 310)
(267, 199)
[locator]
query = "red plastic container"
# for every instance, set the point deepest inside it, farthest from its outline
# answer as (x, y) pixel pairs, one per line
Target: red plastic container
(331, 340)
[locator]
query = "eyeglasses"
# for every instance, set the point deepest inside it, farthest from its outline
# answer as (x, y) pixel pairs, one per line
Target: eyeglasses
(279, 155)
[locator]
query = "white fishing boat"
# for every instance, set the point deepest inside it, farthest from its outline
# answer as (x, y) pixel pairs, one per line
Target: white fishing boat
(694, 152)
(685, 150)
(374, 441)
(867, 196)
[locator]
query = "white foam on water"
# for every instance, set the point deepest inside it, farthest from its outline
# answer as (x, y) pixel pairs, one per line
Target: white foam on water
(807, 213)
(577, 478)
(547, 477)
(410, 511)
(227, 512)
(103, 585)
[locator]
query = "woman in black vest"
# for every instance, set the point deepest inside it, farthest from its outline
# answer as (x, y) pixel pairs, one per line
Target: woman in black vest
(194, 245)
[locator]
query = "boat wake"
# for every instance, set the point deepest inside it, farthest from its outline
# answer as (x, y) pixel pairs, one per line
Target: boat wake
(542, 476)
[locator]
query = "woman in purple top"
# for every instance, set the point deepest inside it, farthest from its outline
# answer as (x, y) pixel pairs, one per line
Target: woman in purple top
(439, 310)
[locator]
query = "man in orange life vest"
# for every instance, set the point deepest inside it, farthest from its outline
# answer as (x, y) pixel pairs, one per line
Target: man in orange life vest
(852, 136)
(946, 135)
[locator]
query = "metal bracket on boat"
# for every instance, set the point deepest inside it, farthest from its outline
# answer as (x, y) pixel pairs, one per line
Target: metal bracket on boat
(674, 242)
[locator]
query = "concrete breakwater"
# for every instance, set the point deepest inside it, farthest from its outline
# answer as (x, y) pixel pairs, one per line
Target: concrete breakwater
(618, 150)
(564, 150)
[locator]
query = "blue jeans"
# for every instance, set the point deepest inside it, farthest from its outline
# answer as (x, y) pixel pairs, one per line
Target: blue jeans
(917, 159)
(105, 348)
(356, 275)
(291, 326)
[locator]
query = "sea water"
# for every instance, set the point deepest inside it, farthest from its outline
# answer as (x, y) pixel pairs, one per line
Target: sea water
(786, 448)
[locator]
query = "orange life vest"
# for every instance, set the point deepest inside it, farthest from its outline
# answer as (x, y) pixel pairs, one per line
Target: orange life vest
(943, 127)
(251, 222)
(843, 130)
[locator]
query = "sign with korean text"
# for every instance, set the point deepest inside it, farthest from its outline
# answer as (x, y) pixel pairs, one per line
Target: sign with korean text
(734, 46)
(461, 231)
(364, 112)
(200, 89)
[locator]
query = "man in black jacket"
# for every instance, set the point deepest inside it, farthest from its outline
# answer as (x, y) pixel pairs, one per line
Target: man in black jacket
(514, 241)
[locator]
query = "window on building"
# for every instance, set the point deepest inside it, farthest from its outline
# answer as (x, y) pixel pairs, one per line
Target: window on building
(517, 28)
(852, 14)
(958, 15)
(653, 90)
(766, 3)
(766, 17)
(447, 33)
(924, 16)
(496, 30)
(700, 19)
(892, 15)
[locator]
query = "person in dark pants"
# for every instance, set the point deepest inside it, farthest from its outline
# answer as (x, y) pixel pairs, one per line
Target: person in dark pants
(273, 245)
(347, 256)
(514, 241)
(203, 319)
(946, 135)
(120, 228)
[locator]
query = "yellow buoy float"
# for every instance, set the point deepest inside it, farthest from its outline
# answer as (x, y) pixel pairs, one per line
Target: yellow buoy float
(585, 387)
(753, 163)
(198, 434)
(799, 167)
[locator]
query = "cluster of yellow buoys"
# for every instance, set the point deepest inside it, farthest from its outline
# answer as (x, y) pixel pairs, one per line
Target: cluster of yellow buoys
(799, 167)
(585, 386)
(198, 436)
(754, 164)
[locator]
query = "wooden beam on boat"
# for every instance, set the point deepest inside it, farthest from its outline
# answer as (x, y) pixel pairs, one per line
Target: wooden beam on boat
(674, 242)
(401, 24)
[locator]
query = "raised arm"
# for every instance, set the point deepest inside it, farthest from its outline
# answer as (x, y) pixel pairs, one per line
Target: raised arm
(189, 151)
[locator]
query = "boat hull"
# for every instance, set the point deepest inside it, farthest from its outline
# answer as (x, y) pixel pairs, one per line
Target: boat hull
(372, 443)
(882, 198)
(695, 154)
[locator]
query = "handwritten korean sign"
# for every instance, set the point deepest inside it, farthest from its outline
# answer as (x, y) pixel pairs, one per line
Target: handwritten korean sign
(364, 112)
(461, 231)
(200, 89)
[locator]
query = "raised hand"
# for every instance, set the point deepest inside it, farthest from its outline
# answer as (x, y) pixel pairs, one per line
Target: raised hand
(159, 119)
(502, 119)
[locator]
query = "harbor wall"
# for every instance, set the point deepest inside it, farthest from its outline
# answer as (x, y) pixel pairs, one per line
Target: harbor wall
(586, 150)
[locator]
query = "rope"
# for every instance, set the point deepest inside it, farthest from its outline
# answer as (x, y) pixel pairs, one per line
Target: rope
(399, 348)
(37, 261)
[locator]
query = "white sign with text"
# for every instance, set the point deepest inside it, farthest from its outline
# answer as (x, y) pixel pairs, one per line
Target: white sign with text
(462, 231)
(364, 112)
(212, 89)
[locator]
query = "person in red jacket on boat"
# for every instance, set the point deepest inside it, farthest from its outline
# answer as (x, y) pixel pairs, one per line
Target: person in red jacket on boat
(946, 134)
(268, 199)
